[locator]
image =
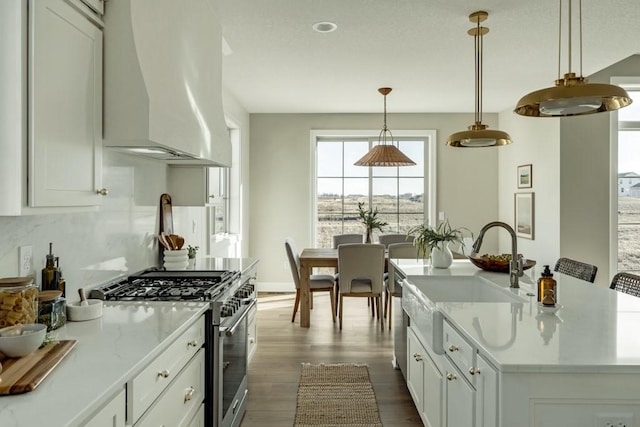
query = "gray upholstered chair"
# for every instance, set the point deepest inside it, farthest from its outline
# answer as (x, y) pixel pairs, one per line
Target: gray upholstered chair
(341, 239)
(317, 282)
(361, 270)
(401, 251)
(388, 239)
(627, 283)
(576, 269)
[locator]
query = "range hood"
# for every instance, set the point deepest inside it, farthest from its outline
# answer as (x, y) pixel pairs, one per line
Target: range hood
(163, 81)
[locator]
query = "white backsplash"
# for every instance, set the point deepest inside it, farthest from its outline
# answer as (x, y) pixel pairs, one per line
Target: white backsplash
(118, 238)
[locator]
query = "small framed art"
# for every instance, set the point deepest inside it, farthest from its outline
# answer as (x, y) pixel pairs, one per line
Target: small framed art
(525, 176)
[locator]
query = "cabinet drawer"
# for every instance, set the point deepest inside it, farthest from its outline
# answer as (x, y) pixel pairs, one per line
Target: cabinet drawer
(149, 383)
(459, 351)
(182, 399)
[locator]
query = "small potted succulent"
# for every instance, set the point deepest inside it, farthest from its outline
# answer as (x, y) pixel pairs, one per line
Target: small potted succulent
(191, 254)
(370, 220)
(436, 242)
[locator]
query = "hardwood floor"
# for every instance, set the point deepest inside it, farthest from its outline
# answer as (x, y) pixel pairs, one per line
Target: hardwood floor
(283, 346)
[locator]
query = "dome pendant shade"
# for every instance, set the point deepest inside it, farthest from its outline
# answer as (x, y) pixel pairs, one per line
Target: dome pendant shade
(385, 154)
(477, 135)
(572, 95)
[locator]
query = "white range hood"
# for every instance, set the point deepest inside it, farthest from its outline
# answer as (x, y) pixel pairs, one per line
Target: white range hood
(163, 81)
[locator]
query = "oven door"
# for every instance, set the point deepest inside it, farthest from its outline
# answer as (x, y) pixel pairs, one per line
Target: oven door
(233, 370)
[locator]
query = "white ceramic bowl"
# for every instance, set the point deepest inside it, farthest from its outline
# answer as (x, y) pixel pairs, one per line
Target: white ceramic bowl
(30, 338)
(80, 313)
(180, 265)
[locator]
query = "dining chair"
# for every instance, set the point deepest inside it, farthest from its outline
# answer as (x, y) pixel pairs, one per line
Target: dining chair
(388, 239)
(397, 251)
(576, 269)
(340, 239)
(317, 282)
(627, 283)
(361, 270)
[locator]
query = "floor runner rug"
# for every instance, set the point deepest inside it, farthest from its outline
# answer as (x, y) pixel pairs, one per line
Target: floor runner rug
(336, 395)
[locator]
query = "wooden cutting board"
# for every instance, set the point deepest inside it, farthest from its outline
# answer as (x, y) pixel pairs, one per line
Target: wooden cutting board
(24, 374)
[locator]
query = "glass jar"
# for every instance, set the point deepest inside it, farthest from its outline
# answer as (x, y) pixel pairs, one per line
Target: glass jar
(18, 301)
(52, 309)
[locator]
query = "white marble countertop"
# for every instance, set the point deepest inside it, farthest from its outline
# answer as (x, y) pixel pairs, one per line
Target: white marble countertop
(595, 329)
(109, 351)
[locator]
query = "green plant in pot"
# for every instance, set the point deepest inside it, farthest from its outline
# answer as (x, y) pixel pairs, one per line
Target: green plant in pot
(370, 220)
(435, 241)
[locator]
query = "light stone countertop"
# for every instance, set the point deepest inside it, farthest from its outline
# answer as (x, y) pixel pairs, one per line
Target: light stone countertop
(109, 351)
(595, 329)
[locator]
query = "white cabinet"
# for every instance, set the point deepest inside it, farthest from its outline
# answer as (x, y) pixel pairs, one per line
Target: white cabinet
(65, 105)
(112, 414)
(487, 395)
(95, 5)
(51, 108)
(460, 398)
(425, 382)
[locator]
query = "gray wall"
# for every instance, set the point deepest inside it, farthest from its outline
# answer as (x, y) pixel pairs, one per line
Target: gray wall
(280, 182)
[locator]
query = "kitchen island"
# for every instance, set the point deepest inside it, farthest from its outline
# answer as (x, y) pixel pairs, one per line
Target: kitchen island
(110, 351)
(507, 363)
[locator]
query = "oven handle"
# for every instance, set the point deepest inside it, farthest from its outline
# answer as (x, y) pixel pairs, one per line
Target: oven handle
(229, 331)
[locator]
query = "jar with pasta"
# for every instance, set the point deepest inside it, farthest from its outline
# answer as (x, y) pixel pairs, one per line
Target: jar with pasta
(18, 301)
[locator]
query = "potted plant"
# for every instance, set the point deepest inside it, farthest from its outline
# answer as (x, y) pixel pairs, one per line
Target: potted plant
(436, 242)
(191, 254)
(370, 220)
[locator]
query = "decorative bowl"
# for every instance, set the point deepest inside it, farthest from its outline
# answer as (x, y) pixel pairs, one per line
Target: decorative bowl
(22, 340)
(498, 264)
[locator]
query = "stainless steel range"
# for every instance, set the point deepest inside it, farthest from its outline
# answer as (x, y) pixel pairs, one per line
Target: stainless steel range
(226, 343)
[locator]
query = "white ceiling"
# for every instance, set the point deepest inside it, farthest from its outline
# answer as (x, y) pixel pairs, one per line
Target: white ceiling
(420, 48)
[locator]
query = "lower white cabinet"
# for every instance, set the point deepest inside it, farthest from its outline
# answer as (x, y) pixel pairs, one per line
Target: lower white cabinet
(425, 382)
(112, 414)
(198, 418)
(460, 398)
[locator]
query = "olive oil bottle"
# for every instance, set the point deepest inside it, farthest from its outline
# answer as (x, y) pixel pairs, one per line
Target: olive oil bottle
(50, 272)
(547, 294)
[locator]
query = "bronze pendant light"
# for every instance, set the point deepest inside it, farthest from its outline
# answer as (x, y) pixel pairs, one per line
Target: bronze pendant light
(572, 95)
(385, 154)
(477, 134)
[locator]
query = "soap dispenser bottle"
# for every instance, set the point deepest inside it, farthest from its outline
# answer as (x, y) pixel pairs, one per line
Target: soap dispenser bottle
(50, 273)
(547, 294)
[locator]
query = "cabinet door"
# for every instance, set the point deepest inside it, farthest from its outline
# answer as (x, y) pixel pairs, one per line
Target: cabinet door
(433, 393)
(460, 400)
(415, 370)
(65, 106)
(487, 394)
(112, 415)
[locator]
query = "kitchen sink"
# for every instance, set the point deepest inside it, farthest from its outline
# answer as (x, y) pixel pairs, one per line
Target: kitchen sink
(421, 295)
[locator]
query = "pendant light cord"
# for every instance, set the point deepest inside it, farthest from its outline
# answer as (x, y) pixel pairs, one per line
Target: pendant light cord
(478, 65)
(559, 38)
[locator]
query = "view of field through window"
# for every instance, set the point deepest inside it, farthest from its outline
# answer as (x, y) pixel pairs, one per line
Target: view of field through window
(629, 185)
(396, 192)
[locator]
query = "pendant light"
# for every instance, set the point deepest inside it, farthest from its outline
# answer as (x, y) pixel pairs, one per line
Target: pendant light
(385, 154)
(572, 95)
(477, 134)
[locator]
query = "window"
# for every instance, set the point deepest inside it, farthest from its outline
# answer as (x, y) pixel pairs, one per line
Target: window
(629, 197)
(398, 193)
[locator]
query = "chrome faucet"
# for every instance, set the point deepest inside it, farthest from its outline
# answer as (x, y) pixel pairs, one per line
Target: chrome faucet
(515, 266)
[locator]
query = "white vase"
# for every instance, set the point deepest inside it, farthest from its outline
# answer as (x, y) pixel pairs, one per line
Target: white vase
(441, 256)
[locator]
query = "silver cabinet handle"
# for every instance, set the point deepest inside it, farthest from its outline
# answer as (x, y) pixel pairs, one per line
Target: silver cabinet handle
(164, 373)
(192, 343)
(102, 192)
(417, 356)
(474, 371)
(453, 348)
(451, 377)
(188, 394)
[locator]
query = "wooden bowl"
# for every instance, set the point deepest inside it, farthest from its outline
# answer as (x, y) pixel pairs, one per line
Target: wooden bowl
(497, 266)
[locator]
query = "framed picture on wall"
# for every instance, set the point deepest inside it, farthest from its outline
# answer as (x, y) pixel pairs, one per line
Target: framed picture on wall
(524, 215)
(525, 176)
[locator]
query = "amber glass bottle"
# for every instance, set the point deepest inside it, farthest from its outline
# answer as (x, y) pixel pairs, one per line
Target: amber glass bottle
(547, 294)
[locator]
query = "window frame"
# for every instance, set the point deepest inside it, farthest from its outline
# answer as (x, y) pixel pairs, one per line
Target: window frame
(429, 136)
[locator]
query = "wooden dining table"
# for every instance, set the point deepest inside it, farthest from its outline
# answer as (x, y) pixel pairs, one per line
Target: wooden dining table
(310, 258)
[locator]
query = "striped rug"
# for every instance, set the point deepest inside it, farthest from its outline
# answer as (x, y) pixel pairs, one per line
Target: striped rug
(336, 395)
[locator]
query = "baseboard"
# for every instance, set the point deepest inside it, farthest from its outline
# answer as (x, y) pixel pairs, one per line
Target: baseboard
(275, 287)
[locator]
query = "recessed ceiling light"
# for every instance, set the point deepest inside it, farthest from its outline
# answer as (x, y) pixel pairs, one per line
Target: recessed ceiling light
(324, 26)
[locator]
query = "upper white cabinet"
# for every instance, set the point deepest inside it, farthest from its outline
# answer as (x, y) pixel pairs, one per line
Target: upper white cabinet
(65, 105)
(51, 108)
